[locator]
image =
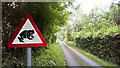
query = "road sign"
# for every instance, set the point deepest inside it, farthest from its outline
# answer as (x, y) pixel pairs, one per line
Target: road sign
(27, 35)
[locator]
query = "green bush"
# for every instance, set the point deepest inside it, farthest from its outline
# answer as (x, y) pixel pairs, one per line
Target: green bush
(106, 48)
(94, 58)
(52, 56)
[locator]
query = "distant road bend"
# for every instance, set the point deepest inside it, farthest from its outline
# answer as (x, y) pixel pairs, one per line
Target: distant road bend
(74, 58)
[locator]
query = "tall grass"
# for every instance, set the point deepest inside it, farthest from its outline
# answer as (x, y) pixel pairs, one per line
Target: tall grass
(52, 56)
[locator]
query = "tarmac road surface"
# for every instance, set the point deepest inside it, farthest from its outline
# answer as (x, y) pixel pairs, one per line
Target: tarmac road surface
(75, 59)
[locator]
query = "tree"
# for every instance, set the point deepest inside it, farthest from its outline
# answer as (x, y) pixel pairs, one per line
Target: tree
(48, 17)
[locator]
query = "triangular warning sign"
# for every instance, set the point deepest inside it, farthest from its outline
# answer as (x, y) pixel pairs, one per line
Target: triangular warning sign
(27, 35)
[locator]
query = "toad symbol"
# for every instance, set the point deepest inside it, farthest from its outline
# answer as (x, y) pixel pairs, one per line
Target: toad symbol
(26, 34)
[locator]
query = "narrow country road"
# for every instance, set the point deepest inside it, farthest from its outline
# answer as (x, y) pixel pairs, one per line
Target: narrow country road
(74, 58)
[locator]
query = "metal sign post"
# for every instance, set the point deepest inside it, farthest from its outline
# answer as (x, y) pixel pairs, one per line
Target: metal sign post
(27, 35)
(28, 57)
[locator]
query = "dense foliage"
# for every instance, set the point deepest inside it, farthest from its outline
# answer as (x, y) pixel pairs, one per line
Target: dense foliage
(97, 33)
(52, 56)
(105, 48)
(48, 17)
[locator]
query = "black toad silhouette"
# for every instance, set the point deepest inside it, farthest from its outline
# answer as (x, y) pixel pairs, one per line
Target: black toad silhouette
(26, 34)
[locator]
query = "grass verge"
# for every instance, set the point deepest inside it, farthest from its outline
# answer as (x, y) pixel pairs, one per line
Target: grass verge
(51, 56)
(91, 56)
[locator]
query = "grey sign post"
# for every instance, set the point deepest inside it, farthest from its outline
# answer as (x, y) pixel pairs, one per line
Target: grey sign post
(28, 57)
(31, 33)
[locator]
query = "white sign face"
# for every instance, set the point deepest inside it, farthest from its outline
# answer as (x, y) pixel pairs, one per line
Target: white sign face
(27, 35)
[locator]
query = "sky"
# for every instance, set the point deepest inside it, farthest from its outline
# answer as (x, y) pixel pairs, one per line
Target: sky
(87, 5)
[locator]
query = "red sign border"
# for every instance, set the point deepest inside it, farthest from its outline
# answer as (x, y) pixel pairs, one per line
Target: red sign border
(27, 45)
